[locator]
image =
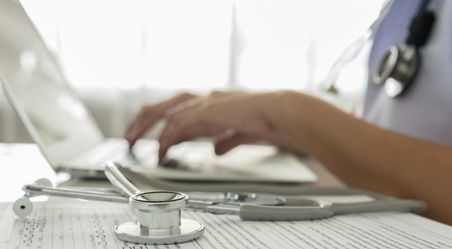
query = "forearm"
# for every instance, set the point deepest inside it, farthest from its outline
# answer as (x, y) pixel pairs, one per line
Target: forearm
(366, 156)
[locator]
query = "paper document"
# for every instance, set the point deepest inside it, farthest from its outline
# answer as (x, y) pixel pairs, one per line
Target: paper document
(89, 225)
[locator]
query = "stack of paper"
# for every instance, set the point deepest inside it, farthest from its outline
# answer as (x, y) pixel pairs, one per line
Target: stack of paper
(86, 225)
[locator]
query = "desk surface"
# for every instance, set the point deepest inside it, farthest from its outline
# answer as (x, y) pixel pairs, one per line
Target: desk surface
(23, 163)
(20, 164)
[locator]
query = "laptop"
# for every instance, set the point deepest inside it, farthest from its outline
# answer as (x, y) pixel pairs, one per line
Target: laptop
(71, 140)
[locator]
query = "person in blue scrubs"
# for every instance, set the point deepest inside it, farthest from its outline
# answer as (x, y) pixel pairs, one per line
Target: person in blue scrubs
(400, 146)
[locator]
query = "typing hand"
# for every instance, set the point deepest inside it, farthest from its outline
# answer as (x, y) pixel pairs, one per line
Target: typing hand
(231, 118)
(149, 115)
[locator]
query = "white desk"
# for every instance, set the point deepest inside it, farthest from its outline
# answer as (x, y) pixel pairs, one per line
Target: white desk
(24, 164)
(20, 164)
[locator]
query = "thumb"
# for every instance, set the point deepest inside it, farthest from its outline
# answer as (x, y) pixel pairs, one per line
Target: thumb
(226, 144)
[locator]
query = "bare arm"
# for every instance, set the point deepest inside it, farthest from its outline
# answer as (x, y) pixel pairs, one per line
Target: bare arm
(365, 156)
(359, 153)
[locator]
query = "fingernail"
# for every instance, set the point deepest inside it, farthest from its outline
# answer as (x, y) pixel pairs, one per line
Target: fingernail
(161, 154)
(161, 151)
(130, 140)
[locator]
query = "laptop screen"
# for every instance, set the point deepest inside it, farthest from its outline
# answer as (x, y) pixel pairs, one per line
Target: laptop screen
(50, 111)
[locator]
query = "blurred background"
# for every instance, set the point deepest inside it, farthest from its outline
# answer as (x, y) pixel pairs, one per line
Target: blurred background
(119, 54)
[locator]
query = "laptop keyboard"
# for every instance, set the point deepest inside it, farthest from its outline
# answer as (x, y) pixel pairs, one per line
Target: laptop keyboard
(193, 156)
(109, 150)
(246, 163)
(196, 156)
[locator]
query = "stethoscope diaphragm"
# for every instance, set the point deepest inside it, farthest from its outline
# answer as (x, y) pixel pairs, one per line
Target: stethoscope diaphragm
(398, 69)
(159, 219)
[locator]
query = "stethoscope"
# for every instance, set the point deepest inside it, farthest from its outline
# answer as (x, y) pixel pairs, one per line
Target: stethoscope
(158, 213)
(401, 63)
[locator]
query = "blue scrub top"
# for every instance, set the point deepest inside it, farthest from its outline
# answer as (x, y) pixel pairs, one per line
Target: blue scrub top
(425, 110)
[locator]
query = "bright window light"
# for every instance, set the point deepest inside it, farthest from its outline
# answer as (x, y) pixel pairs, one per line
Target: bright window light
(200, 44)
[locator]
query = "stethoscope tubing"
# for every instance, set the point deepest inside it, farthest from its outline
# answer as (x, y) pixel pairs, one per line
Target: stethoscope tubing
(250, 211)
(292, 209)
(298, 213)
(33, 190)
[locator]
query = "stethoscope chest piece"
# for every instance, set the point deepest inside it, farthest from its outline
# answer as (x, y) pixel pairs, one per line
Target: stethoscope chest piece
(401, 63)
(159, 220)
(397, 69)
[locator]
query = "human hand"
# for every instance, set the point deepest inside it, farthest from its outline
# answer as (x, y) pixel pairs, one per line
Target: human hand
(231, 118)
(149, 115)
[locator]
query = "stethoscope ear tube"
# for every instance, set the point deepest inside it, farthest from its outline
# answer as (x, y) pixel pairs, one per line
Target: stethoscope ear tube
(119, 181)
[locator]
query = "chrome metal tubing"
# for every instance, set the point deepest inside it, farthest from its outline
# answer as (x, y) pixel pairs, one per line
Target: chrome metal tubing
(34, 190)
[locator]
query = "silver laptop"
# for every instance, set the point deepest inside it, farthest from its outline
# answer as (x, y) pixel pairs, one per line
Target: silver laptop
(70, 139)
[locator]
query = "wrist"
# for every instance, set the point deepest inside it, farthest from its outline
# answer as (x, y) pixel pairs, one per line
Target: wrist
(294, 109)
(287, 113)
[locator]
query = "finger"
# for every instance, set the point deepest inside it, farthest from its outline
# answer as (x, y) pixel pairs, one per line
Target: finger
(226, 144)
(219, 93)
(156, 113)
(174, 116)
(168, 136)
(134, 129)
(136, 119)
(149, 115)
(184, 126)
(162, 106)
